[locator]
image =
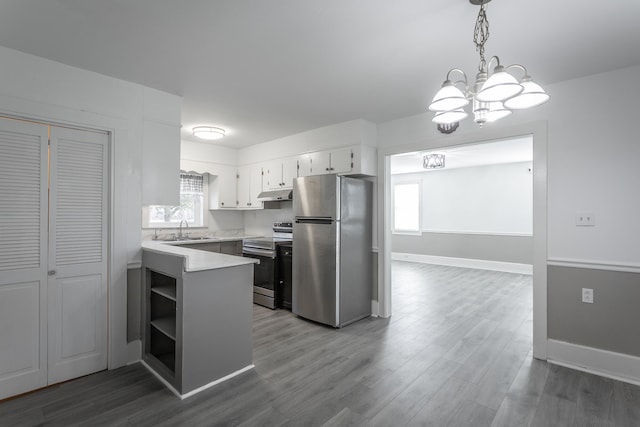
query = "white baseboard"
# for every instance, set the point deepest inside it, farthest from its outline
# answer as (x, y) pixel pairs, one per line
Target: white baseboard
(509, 267)
(199, 389)
(617, 366)
(134, 352)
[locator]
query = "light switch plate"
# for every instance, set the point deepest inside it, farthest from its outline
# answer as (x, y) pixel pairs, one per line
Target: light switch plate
(585, 219)
(587, 295)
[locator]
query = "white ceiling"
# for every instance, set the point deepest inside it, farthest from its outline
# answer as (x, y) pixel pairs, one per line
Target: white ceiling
(490, 153)
(268, 69)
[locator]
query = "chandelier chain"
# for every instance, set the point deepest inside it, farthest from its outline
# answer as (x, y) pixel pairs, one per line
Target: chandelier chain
(481, 34)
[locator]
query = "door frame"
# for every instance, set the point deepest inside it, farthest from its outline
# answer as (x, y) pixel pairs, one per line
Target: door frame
(127, 156)
(538, 130)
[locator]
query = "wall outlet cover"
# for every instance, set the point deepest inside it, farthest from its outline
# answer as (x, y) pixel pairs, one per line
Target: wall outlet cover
(585, 219)
(587, 295)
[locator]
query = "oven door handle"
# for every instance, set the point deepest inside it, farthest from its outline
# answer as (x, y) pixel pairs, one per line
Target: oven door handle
(259, 252)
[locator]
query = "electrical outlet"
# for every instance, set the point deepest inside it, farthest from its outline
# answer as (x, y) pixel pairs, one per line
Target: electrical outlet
(585, 219)
(587, 295)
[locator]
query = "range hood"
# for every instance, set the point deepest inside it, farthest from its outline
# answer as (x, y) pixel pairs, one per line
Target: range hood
(276, 195)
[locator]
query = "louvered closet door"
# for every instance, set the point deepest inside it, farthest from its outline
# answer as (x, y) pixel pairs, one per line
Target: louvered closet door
(77, 287)
(23, 261)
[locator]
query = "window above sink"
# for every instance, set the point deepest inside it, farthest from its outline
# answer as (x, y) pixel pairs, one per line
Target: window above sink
(192, 206)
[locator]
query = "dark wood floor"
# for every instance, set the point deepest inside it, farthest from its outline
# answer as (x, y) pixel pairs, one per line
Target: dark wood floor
(457, 352)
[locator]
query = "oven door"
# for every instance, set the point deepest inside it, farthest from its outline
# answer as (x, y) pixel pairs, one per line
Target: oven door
(263, 276)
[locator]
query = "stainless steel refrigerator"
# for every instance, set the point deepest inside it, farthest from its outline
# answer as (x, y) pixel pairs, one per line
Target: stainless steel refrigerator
(332, 258)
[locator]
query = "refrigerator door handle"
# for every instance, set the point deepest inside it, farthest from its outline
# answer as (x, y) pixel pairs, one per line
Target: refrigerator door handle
(314, 220)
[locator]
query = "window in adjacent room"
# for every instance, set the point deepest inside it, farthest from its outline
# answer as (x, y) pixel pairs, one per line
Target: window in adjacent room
(191, 209)
(406, 207)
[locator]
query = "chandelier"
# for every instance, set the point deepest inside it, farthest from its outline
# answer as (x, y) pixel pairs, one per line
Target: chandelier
(494, 95)
(433, 161)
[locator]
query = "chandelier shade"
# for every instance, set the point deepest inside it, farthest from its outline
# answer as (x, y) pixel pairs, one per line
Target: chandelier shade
(494, 94)
(448, 98)
(532, 96)
(499, 87)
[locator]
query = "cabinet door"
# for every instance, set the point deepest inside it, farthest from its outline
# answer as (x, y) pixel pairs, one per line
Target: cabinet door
(222, 188)
(289, 171)
(274, 175)
(255, 186)
(320, 162)
(244, 187)
(341, 160)
(304, 165)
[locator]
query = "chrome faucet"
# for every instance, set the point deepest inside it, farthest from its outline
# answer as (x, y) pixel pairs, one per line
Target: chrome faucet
(180, 236)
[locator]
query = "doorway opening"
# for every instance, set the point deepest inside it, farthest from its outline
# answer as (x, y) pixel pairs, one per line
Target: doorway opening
(427, 239)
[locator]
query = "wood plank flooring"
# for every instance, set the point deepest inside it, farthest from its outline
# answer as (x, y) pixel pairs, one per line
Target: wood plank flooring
(457, 352)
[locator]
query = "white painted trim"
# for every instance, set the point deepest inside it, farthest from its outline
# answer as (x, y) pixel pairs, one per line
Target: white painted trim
(488, 233)
(134, 351)
(374, 309)
(480, 264)
(617, 366)
(595, 265)
(199, 389)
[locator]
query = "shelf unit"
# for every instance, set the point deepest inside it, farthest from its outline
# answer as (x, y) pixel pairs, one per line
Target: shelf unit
(162, 299)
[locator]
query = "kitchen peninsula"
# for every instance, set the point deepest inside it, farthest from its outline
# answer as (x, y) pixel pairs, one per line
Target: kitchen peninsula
(197, 315)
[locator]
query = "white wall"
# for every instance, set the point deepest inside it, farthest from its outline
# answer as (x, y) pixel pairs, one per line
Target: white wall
(37, 88)
(492, 199)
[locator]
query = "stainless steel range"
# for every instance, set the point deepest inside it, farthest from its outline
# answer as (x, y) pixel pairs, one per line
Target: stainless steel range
(267, 283)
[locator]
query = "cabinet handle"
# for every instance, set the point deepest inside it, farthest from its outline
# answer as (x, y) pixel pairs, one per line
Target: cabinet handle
(221, 203)
(326, 169)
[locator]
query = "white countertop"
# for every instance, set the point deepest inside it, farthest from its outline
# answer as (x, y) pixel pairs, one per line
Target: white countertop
(195, 259)
(203, 240)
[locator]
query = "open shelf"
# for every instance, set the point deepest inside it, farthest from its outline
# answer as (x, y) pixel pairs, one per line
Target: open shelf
(167, 291)
(166, 325)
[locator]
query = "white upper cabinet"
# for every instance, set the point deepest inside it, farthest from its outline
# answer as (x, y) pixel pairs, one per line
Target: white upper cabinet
(338, 160)
(289, 171)
(160, 164)
(222, 188)
(256, 186)
(280, 173)
(341, 160)
(249, 186)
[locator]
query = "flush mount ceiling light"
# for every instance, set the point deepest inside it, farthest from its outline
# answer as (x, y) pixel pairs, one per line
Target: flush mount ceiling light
(433, 161)
(494, 95)
(209, 133)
